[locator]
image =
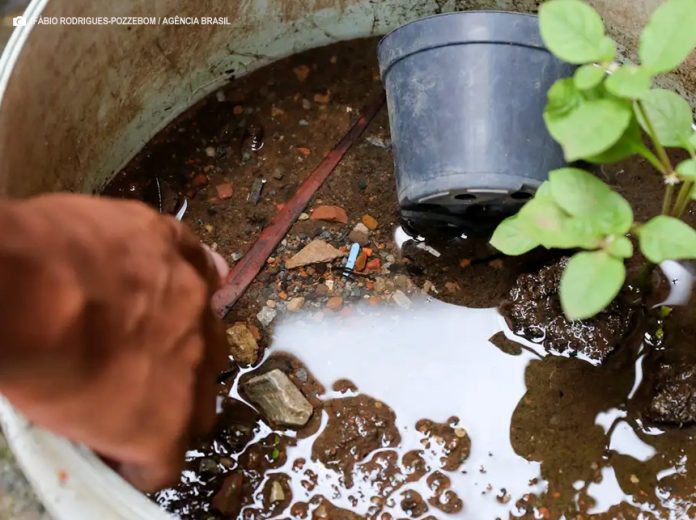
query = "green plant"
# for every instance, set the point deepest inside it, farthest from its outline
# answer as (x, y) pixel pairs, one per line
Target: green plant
(603, 114)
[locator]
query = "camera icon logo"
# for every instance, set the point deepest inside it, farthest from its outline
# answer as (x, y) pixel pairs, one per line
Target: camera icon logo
(19, 21)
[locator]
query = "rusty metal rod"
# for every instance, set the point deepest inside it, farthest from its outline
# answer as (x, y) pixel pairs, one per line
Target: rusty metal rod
(244, 272)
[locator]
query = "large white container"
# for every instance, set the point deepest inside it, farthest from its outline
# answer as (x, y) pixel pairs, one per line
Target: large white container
(77, 102)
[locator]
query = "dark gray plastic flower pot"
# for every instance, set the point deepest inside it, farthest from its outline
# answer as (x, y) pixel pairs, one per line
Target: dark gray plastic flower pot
(466, 94)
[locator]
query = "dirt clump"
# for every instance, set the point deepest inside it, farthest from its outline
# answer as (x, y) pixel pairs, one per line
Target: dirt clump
(533, 310)
(451, 443)
(357, 426)
(674, 395)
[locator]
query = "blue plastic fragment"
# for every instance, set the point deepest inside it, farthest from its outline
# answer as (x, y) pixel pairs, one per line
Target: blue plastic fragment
(352, 257)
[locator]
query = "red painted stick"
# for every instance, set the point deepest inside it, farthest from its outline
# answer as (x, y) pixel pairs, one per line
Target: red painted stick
(244, 272)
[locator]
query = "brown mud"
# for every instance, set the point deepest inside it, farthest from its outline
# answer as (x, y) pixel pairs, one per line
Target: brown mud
(441, 412)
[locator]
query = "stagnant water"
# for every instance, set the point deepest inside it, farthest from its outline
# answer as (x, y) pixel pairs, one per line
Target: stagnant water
(446, 416)
(435, 361)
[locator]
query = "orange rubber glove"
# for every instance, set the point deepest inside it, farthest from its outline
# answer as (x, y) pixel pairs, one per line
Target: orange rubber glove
(106, 331)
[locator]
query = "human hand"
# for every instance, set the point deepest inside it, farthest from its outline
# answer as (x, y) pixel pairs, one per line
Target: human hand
(108, 334)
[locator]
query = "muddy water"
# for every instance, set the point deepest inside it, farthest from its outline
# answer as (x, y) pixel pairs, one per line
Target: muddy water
(510, 432)
(549, 436)
(433, 361)
(445, 416)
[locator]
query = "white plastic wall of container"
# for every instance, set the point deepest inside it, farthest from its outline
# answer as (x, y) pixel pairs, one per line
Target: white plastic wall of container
(77, 102)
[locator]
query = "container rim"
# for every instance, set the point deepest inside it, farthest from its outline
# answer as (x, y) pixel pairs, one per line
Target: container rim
(388, 57)
(453, 13)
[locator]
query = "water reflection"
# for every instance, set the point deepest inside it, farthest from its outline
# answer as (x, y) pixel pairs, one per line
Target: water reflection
(436, 362)
(550, 436)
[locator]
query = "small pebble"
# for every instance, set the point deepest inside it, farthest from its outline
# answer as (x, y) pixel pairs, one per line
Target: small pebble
(296, 304)
(224, 191)
(378, 142)
(210, 151)
(323, 99)
(277, 494)
(301, 375)
(302, 72)
(304, 122)
(208, 466)
(266, 315)
(402, 300)
(335, 303)
(236, 257)
(220, 96)
(306, 104)
(303, 216)
(370, 222)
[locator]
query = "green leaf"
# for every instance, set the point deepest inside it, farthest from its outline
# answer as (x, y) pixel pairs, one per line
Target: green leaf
(667, 238)
(616, 218)
(578, 192)
(630, 143)
(510, 239)
(687, 169)
(590, 129)
(563, 97)
(692, 140)
(588, 76)
(669, 36)
(670, 115)
(629, 82)
(601, 211)
(620, 247)
(543, 192)
(545, 222)
(590, 283)
(574, 32)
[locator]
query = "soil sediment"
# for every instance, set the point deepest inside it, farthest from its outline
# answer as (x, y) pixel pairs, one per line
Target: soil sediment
(276, 125)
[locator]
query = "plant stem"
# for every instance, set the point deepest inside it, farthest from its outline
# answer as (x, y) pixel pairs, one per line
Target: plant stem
(652, 159)
(661, 153)
(667, 200)
(668, 171)
(683, 198)
(685, 191)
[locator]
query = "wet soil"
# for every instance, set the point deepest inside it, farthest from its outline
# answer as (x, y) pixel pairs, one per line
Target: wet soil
(505, 431)
(533, 309)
